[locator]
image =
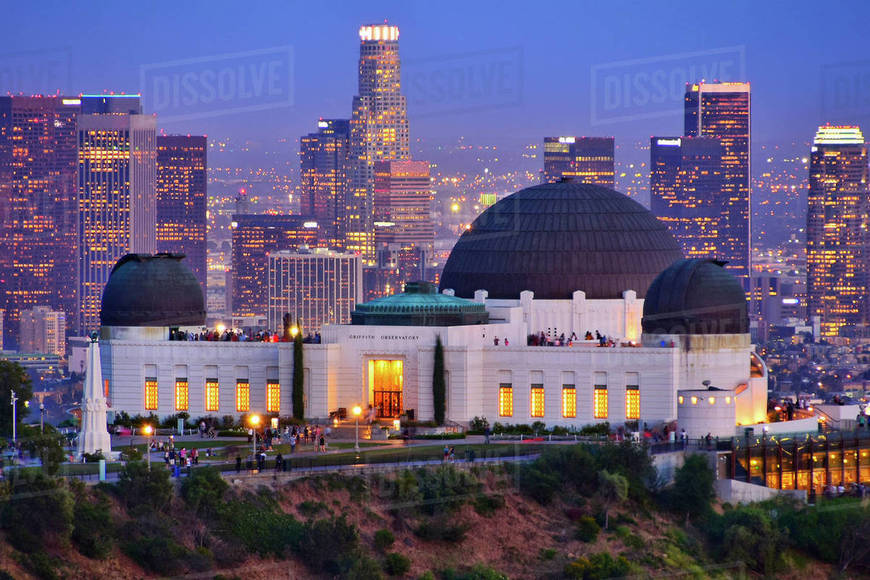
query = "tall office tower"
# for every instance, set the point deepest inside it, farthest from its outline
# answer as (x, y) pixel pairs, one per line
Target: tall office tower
(38, 211)
(396, 266)
(378, 131)
(722, 111)
(323, 177)
(117, 160)
(403, 204)
(181, 200)
(686, 191)
(584, 159)
(43, 330)
(316, 287)
(836, 229)
(255, 237)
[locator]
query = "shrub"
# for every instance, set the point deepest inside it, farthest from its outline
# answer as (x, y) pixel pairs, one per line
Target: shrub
(49, 448)
(310, 508)
(486, 505)
(477, 572)
(478, 425)
(442, 529)
(587, 529)
(397, 564)
(539, 428)
(93, 457)
(149, 542)
(560, 431)
(93, 534)
(139, 487)
(38, 510)
(384, 540)
(547, 553)
(327, 544)
(362, 567)
(601, 565)
(747, 534)
(693, 493)
(203, 491)
(596, 429)
(257, 524)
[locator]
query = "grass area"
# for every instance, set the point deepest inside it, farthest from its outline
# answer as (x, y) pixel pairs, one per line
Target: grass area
(192, 444)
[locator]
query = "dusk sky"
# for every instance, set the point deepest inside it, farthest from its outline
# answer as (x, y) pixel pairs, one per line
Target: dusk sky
(494, 72)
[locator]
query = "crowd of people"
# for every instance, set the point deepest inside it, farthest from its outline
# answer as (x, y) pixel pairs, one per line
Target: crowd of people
(237, 335)
(545, 339)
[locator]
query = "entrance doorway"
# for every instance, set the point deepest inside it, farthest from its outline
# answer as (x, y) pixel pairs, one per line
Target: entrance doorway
(385, 387)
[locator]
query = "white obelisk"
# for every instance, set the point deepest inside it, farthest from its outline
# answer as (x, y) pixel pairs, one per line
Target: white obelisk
(94, 436)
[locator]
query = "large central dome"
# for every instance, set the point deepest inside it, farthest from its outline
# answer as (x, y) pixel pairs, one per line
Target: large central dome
(556, 238)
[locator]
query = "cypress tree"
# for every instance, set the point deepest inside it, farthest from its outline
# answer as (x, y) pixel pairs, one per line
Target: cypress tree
(298, 379)
(439, 388)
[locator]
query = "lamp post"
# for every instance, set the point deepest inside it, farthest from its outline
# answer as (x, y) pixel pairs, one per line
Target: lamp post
(148, 430)
(254, 420)
(294, 330)
(356, 413)
(41, 417)
(14, 416)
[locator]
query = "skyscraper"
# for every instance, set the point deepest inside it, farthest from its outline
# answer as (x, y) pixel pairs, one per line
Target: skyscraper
(255, 237)
(181, 200)
(722, 111)
(38, 211)
(323, 177)
(43, 330)
(316, 287)
(378, 130)
(686, 191)
(837, 223)
(117, 159)
(585, 159)
(403, 204)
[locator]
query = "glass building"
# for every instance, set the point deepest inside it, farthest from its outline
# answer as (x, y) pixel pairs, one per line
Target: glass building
(837, 229)
(181, 200)
(585, 159)
(323, 177)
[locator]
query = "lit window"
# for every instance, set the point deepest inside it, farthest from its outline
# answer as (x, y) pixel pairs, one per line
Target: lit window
(712, 400)
(181, 395)
(537, 401)
(505, 400)
(151, 394)
(694, 400)
(211, 395)
(680, 399)
(273, 396)
(243, 396)
(727, 400)
(569, 401)
(632, 402)
(599, 403)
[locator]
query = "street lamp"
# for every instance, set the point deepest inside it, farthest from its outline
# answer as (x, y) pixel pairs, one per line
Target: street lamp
(148, 430)
(41, 417)
(14, 416)
(254, 420)
(356, 413)
(294, 330)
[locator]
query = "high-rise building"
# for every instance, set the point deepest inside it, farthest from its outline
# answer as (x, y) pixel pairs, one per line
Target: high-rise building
(837, 229)
(38, 210)
(686, 192)
(315, 287)
(117, 166)
(43, 330)
(181, 200)
(583, 159)
(378, 131)
(255, 237)
(722, 111)
(403, 204)
(323, 177)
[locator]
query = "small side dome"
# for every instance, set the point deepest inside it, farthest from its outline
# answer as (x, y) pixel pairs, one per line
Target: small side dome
(695, 297)
(158, 290)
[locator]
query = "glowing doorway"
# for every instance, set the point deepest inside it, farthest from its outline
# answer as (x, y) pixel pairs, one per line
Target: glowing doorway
(385, 387)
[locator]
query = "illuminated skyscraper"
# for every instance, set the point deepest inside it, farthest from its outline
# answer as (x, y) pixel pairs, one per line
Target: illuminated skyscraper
(181, 200)
(38, 211)
(403, 204)
(316, 287)
(837, 229)
(117, 171)
(378, 130)
(324, 167)
(585, 159)
(722, 111)
(43, 330)
(686, 191)
(255, 237)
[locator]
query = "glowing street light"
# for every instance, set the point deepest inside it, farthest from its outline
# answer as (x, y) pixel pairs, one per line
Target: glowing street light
(357, 410)
(254, 420)
(294, 330)
(148, 430)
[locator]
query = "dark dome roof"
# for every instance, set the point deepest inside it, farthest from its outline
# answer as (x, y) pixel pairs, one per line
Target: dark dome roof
(695, 297)
(556, 238)
(158, 290)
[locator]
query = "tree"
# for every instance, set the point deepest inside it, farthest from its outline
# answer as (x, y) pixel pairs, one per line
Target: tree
(13, 377)
(693, 487)
(613, 489)
(48, 447)
(298, 379)
(139, 487)
(439, 388)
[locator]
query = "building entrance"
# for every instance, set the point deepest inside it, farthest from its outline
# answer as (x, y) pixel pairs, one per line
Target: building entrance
(385, 387)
